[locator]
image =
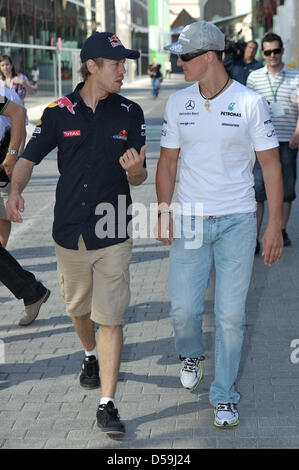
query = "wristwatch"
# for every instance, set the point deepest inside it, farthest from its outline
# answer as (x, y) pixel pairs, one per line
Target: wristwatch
(12, 152)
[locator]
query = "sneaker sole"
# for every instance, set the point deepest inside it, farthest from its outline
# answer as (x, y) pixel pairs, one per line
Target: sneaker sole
(111, 430)
(226, 425)
(197, 382)
(90, 387)
(47, 295)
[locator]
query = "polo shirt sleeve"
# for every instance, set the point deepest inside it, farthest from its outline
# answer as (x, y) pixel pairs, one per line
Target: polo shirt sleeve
(3, 103)
(261, 128)
(136, 135)
(250, 81)
(44, 138)
(170, 130)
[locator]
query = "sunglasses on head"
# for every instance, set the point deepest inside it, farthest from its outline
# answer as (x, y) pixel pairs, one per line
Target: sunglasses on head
(191, 55)
(274, 51)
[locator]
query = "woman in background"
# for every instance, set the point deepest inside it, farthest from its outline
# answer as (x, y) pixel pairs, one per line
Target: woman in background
(13, 80)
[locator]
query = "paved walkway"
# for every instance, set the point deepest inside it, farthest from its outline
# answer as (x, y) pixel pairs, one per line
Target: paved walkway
(41, 402)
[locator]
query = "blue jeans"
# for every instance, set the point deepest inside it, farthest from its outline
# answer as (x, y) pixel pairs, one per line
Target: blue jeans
(155, 86)
(228, 243)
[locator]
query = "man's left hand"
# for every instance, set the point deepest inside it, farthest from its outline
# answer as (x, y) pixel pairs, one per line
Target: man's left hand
(272, 245)
(294, 141)
(132, 161)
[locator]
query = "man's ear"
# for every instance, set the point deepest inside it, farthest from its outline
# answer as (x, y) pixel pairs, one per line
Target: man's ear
(91, 66)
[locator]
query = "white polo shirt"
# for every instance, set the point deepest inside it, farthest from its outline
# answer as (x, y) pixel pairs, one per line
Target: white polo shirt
(12, 96)
(217, 148)
(282, 88)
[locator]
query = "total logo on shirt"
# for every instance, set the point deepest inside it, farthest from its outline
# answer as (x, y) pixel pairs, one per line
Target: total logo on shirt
(73, 133)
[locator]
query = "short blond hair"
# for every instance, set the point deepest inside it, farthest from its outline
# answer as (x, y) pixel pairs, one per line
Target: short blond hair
(84, 70)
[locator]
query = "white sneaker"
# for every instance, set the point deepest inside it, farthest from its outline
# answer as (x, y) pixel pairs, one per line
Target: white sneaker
(226, 415)
(191, 371)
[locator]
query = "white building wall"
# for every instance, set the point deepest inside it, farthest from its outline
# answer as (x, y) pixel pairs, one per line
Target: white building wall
(123, 22)
(284, 24)
(242, 6)
(100, 15)
(238, 7)
(176, 6)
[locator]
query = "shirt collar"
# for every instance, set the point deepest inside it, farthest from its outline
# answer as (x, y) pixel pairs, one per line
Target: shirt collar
(265, 69)
(78, 98)
(76, 95)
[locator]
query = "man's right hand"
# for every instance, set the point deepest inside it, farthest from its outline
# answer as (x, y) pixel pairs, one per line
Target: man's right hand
(14, 206)
(164, 228)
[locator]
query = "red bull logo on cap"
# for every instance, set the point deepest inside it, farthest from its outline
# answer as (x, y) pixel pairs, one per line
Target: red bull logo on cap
(64, 102)
(115, 41)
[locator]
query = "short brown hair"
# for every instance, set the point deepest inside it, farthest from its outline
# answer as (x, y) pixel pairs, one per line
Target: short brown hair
(84, 70)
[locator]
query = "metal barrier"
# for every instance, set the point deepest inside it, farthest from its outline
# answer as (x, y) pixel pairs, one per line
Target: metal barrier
(58, 66)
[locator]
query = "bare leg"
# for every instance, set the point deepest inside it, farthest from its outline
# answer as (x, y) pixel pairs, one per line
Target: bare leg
(286, 210)
(84, 327)
(109, 347)
(5, 228)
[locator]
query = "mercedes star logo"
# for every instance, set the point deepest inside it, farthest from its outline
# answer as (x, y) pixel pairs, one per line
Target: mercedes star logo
(190, 105)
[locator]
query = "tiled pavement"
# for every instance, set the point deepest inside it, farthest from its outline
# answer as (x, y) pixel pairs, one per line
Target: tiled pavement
(41, 403)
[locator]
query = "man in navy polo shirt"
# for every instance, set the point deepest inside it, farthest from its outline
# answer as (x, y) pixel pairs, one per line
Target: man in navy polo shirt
(100, 138)
(245, 65)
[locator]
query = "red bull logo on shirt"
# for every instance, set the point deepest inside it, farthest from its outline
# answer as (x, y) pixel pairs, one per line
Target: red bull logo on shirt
(122, 135)
(64, 102)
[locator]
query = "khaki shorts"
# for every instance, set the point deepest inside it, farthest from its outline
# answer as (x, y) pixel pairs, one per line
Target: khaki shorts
(95, 281)
(4, 193)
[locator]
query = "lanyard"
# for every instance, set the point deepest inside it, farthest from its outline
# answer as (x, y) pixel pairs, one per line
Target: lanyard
(274, 93)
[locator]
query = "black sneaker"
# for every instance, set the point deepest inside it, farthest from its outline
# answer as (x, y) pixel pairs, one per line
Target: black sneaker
(89, 377)
(286, 240)
(108, 419)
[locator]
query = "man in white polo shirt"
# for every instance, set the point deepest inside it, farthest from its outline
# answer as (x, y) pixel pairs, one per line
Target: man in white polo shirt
(279, 84)
(216, 125)
(5, 224)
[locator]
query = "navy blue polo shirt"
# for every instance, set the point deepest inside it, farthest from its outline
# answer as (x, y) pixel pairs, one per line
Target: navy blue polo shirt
(241, 70)
(92, 194)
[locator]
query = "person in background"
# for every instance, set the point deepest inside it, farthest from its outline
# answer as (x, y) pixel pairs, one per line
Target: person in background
(279, 85)
(247, 64)
(13, 80)
(35, 74)
(154, 71)
(168, 69)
